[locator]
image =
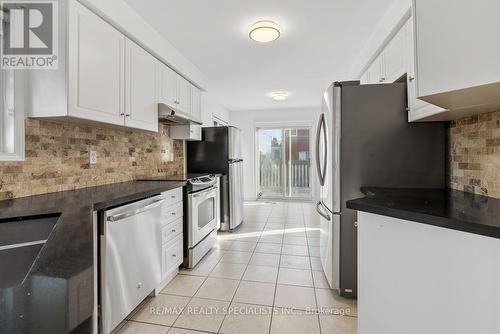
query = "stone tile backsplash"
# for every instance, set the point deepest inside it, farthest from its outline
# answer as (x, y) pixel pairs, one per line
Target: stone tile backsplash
(474, 154)
(57, 157)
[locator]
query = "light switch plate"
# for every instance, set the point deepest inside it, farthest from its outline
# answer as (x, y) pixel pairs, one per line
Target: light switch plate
(93, 157)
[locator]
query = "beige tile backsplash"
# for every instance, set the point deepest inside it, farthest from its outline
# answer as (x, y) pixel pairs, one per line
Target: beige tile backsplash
(57, 157)
(474, 154)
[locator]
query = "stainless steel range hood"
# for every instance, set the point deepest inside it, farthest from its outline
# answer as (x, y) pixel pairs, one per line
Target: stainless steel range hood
(172, 116)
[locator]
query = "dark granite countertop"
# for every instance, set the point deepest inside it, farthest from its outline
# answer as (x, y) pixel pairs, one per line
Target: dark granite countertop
(56, 296)
(180, 177)
(447, 208)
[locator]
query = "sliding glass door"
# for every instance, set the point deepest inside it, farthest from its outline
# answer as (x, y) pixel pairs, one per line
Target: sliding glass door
(284, 156)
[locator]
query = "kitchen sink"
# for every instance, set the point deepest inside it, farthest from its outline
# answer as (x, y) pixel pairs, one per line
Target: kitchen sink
(21, 240)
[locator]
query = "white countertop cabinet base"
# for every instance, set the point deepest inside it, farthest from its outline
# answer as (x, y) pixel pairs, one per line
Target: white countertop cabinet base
(421, 279)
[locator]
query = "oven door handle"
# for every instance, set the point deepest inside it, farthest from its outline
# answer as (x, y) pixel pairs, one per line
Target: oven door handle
(203, 183)
(203, 192)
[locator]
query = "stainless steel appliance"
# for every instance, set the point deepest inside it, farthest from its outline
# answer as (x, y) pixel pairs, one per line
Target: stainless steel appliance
(130, 258)
(171, 115)
(202, 217)
(220, 152)
(364, 140)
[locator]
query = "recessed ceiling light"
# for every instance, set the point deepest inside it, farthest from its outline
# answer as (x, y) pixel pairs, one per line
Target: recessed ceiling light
(264, 31)
(279, 96)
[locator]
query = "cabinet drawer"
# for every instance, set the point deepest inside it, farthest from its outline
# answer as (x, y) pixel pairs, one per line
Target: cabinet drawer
(171, 213)
(172, 255)
(172, 196)
(172, 230)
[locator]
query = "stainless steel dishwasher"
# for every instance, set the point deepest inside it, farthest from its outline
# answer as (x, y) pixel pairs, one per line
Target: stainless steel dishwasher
(130, 258)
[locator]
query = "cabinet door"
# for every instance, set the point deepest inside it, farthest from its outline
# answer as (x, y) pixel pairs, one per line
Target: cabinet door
(172, 255)
(141, 106)
(184, 95)
(168, 85)
(196, 103)
(457, 45)
(374, 72)
(95, 66)
(365, 78)
(418, 109)
(395, 62)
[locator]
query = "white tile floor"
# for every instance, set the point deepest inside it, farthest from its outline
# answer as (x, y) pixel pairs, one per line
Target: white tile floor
(263, 278)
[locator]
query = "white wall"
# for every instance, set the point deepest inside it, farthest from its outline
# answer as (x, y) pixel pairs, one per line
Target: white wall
(211, 107)
(247, 121)
(126, 19)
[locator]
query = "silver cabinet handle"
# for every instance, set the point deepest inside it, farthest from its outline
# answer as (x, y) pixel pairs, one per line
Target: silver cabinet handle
(410, 79)
(173, 231)
(319, 209)
(124, 215)
(172, 213)
(173, 255)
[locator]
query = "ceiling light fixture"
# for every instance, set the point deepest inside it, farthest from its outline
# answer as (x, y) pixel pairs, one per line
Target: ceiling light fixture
(279, 96)
(264, 31)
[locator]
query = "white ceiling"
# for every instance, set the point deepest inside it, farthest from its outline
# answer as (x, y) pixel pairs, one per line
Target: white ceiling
(320, 42)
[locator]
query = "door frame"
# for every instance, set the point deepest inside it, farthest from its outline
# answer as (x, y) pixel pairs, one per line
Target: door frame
(284, 125)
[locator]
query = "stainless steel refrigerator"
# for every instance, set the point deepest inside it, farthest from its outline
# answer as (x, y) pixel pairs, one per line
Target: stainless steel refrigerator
(219, 151)
(364, 140)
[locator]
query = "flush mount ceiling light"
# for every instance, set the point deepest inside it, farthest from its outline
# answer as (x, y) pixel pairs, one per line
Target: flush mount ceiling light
(264, 31)
(279, 96)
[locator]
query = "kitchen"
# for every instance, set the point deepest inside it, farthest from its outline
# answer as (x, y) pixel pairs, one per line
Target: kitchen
(180, 167)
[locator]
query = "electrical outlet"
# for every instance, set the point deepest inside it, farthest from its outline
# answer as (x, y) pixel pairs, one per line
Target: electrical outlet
(93, 157)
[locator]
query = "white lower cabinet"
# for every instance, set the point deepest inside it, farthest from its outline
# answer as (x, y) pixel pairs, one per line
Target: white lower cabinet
(172, 249)
(172, 255)
(416, 278)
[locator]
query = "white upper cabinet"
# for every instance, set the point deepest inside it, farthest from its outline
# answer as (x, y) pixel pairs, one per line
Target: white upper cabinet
(365, 78)
(374, 72)
(178, 93)
(141, 104)
(95, 67)
(175, 91)
(417, 109)
(394, 62)
(395, 57)
(104, 77)
(184, 95)
(196, 103)
(168, 85)
(457, 54)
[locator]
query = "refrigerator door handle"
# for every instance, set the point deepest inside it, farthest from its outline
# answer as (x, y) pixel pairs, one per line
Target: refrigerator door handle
(320, 209)
(321, 168)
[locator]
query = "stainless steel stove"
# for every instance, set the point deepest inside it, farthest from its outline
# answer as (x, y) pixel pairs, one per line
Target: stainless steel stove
(201, 214)
(202, 217)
